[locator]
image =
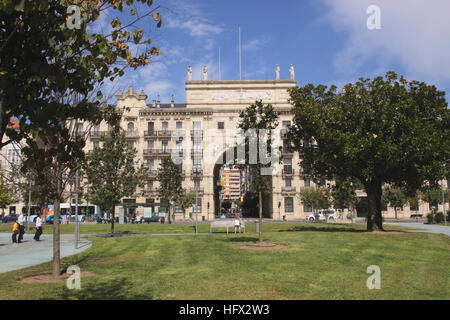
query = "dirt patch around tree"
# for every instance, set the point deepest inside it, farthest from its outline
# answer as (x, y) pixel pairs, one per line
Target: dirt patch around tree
(384, 233)
(263, 246)
(47, 278)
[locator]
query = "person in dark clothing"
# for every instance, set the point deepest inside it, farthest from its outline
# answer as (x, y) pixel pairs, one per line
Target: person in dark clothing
(38, 222)
(15, 232)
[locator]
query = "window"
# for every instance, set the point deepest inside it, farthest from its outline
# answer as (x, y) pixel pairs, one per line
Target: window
(165, 146)
(150, 127)
(322, 182)
(151, 164)
(179, 146)
(96, 144)
(288, 182)
(288, 204)
(286, 124)
(307, 182)
(150, 145)
(307, 208)
(131, 144)
(197, 165)
(150, 185)
(97, 128)
(287, 165)
(165, 127)
(196, 184)
(179, 125)
(220, 125)
(130, 127)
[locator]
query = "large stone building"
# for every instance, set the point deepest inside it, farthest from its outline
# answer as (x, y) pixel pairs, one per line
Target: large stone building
(201, 134)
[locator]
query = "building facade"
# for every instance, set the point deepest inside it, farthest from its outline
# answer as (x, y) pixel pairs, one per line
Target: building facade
(202, 136)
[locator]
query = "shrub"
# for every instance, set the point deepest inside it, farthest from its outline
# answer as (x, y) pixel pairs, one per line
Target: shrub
(349, 216)
(439, 217)
(430, 218)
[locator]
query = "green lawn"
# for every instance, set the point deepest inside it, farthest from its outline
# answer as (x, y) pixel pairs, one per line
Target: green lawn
(323, 261)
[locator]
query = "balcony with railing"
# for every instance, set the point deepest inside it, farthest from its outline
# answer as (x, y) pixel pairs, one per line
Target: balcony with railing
(199, 190)
(150, 134)
(148, 153)
(284, 132)
(98, 134)
(152, 173)
(197, 153)
(196, 134)
(132, 134)
(287, 172)
(164, 133)
(288, 190)
(196, 173)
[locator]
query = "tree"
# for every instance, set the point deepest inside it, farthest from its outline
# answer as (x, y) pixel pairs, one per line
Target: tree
(259, 117)
(112, 171)
(316, 198)
(53, 64)
(169, 177)
(433, 195)
(185, 201)
(6, 195)
(344, 194)
(45, 54)
(394, 197)
(385, 130)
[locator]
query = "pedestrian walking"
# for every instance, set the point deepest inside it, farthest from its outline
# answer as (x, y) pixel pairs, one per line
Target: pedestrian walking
(15, 232)
(21, 222)
(38, 222)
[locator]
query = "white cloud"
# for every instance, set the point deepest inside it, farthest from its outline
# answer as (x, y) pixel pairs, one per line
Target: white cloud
(255, 44)
(195, 26)
(414, 35)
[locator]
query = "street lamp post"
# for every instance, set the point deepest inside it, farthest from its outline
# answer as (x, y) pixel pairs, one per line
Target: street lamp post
(443, 202)
(29, 204)
(77, 228)
(196, 208)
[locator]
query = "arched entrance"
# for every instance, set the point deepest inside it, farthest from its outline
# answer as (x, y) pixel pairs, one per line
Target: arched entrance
(251, 202)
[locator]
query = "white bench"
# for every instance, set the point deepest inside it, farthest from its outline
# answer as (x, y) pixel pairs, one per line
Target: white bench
(224, 223)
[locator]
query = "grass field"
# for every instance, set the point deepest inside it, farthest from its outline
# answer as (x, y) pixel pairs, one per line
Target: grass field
(323, 261)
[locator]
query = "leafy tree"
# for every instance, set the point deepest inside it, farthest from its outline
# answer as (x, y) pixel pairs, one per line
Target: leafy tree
(185, 201)
(316, 198)
(45, 54)
(433, 195)
(385, 130)
(169, 177)
(259, 117)
(112, 172)
(344, 194)
(395, 197)
(226, 204)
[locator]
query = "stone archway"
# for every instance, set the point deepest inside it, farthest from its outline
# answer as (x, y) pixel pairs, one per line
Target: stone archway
(219, 163)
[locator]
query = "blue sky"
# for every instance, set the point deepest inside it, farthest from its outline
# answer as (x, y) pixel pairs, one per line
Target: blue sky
(327, 41)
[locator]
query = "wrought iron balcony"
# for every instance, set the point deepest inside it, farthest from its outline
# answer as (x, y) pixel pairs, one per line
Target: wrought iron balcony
(98, 134)
(165, 133)
(150, 134)
(288, 189)
(131, 134)
(288, 172)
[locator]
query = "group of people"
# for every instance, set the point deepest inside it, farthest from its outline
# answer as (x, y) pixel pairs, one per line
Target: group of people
(19, 228)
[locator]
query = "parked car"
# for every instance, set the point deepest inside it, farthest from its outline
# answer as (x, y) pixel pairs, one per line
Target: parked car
(10, 218)
(153, 219)
(323, 215)
(51, 218)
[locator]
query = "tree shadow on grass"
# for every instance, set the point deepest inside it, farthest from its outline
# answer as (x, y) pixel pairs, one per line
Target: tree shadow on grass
(322, 229)
(241, 239)
(114, 289)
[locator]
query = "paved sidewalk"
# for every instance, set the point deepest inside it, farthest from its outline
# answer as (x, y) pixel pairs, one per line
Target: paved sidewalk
(30, 252)
(429, 228)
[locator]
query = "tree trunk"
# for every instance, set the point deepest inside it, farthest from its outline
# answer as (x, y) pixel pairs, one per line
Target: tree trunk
(260, 217)
(395, 211)
(170, 222)
(112, 219)
(374, 218)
